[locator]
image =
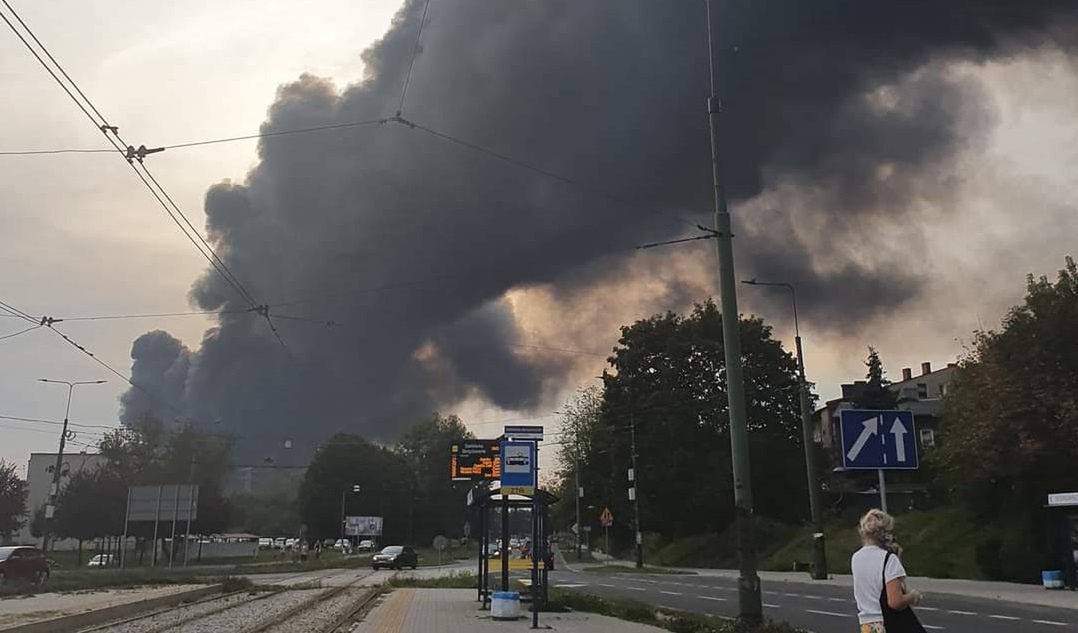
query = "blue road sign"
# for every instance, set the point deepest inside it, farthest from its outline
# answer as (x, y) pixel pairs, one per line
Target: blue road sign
(878, 440)
(518, 468)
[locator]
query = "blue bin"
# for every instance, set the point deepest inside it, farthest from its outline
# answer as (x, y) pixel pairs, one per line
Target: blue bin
(1052, 579)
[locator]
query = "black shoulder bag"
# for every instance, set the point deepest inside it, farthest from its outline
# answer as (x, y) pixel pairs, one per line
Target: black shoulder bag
(904, 621)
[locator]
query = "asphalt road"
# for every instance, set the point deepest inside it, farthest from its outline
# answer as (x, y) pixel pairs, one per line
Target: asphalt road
(818, 608)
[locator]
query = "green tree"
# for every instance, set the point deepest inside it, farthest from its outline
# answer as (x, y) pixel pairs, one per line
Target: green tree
(581, 417)
(91, 505)
(1009, 434)
(439, 505)
(669, 381)
(13, 494)
(877, 393)
(386, 488)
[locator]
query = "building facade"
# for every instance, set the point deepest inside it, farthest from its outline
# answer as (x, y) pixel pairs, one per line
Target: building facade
(39, 474)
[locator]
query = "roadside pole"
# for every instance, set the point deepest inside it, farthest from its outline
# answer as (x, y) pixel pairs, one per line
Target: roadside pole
(123, 546)
(883, 490)
(156, 521)
(535, 550)
(190, 511)
(504, 547)
(749, 599)
(635, 497)
(579, 531)
(175, 512)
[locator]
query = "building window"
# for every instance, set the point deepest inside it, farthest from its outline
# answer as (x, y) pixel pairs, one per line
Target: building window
(922, 391)
(928, 438)
(943, 390)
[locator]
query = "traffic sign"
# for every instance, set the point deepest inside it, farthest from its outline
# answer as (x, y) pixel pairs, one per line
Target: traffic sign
(524, 432)
(878, 440)
(518, 468)
(606, 519)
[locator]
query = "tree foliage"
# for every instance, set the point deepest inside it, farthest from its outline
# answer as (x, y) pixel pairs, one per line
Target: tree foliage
(91, 505)
(1010, 427)
(385, 481)
(877, 393)
(441, 503)
(668, 379)
(13, 493)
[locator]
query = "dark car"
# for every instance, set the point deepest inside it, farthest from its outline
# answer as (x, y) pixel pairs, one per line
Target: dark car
(395, 557)
(23, 562)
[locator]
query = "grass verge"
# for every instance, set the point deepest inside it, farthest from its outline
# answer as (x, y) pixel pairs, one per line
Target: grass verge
(677, 621)
(119, 579)
(462, 580)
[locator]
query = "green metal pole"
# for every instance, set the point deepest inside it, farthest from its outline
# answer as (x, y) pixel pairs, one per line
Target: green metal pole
(749, 599)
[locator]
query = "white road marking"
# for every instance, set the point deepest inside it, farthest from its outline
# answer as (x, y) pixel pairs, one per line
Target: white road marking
(573, 586)
(771, 593)
(934, 628)
(837, 599)
(813, 597)
(663, 606)
(927, 609)
(605, 585)
(792, 595)
(671, 593)
(831, 613)
(772, 606)
(712, 598)
(636, 589)
(956, 612)
(1003, 617)
(1050, 623)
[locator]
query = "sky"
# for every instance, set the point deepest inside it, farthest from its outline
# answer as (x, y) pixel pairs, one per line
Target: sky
(81, 237)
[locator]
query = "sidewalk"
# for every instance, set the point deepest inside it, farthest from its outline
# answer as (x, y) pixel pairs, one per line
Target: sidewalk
(456, 610)
(1009, 591)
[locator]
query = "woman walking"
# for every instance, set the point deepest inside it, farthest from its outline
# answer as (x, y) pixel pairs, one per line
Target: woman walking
(879, 579)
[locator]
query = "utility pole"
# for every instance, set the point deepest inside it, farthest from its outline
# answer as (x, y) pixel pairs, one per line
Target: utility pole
(54, 490)
(633, 478)
(819, 550)
(748, 583)
(579, 493)
(355, 490)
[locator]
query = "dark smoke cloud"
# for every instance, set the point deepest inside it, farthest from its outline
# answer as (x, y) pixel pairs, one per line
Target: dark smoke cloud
(847, 99)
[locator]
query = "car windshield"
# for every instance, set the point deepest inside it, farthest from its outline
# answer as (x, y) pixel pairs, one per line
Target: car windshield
(392, 549)
(5, 552)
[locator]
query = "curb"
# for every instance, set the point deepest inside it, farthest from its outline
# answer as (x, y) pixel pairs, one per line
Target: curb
(78, 621)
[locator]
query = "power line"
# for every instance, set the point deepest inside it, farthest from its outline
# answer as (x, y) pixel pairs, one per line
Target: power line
(29, 329)
(56, 422)
(415, 53)
(130, 155)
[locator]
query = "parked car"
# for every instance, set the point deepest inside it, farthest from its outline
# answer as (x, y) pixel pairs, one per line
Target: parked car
(23, 562)
(278, 543)
(101, 560)
(366, 545)
(395, 557)
(265, 543)
(342, 545)
(291, 543)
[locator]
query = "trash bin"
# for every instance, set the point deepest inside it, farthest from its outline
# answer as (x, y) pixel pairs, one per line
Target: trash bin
(505, 605)
(1052, 579)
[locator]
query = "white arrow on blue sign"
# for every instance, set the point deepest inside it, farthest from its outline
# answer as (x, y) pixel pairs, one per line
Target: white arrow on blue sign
(878, 440)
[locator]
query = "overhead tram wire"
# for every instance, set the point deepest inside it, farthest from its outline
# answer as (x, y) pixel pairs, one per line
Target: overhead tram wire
(415, 53)
(101, 123)
(13, 335)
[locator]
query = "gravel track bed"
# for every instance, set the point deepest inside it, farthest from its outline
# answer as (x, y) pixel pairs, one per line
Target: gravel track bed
(248, 615)
(321, 615)
(172, 617)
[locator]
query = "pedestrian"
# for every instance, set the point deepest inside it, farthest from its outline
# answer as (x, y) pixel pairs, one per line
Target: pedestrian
(879, 579)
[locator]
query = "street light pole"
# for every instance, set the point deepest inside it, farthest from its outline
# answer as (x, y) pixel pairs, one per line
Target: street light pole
(54, 490)
(636, 496)
(579, 528)
(749, 598)
(355, 490)
(819, 550)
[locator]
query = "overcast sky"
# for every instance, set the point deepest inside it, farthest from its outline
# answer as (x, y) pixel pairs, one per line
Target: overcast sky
(80, 236)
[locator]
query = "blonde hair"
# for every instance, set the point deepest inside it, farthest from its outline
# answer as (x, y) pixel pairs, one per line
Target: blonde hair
(879, 527)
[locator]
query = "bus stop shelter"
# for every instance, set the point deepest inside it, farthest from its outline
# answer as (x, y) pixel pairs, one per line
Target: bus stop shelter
(484, 501)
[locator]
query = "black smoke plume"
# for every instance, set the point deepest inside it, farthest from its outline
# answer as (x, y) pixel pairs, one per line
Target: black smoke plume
(410, 241)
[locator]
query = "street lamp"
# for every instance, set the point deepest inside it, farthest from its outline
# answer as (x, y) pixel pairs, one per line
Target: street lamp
(819, 551)
(355, 491)
(54, 490)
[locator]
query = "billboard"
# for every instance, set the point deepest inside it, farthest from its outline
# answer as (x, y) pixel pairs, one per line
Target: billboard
(363, 526)
(475, 460)
(162, 503)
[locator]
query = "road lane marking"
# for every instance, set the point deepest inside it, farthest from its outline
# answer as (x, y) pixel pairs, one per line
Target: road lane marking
(831, 613)
(671, 593)
(605, 585)
(1050, 622)
(792, 595)
(636, 589)
(1003, 617)
(927, 609)
(712, 598)
(837, 599)
(813, 597)
(934, 628)
(957, 612)
(771, 606)
(572, 586)
(771, 593)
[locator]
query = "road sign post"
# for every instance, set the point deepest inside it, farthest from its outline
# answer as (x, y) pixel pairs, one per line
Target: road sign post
(880, 441)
